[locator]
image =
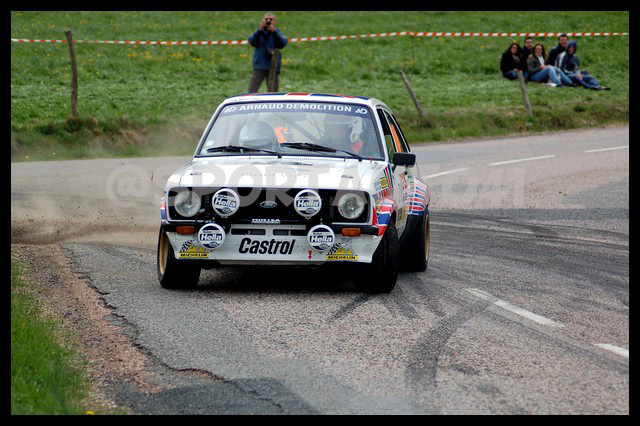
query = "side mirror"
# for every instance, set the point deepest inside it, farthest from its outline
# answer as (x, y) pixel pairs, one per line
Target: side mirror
(406, 159)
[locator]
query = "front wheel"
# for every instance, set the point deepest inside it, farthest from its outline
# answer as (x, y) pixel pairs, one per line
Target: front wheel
(381, 274)
(174, 273)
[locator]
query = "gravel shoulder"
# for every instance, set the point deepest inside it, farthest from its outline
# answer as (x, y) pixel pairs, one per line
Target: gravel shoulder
(116, 364)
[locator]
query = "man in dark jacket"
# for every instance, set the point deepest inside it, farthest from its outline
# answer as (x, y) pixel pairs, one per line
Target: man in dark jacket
(526, 51)
(558, 49)
(569, 63)
(264, 40)
(528, 48)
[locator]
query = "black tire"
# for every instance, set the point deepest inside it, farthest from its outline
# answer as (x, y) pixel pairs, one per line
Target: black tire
(415, 251)
(381, 274)
(174, 273)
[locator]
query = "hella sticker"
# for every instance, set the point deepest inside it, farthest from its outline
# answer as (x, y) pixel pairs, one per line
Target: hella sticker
(211, 236)
(307, 203)
(225, 202)
(321, 237)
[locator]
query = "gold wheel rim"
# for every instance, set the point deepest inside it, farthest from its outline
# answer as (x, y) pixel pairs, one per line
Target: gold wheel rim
(164, 252)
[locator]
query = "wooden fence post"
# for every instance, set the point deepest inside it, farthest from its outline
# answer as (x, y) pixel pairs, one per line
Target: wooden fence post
(422, 113)
(74, 76)
(271, 80)
(525, 96)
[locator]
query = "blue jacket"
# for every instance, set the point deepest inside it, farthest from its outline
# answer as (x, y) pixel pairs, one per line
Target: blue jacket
(264, 42)
(569, 63)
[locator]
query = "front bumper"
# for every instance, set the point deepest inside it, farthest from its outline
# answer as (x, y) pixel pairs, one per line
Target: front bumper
(275, 245)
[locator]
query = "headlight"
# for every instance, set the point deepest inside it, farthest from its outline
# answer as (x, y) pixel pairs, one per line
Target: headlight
(351, 206)
(187, 203)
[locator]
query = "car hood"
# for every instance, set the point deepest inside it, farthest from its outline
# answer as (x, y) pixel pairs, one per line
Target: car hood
(271, 172)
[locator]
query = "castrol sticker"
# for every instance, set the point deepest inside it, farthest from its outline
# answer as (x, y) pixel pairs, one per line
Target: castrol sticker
(321, 237)
(225, 202)
(211, 236)
(307, 203)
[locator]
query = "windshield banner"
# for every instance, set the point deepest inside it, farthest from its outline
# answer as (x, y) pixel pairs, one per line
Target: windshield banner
(327, 108)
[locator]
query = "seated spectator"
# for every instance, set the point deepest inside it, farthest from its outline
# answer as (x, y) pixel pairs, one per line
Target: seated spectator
(539, 72)
(557, 49)
(512, 62)
(528, 47)
(526, 51)
(569, 63)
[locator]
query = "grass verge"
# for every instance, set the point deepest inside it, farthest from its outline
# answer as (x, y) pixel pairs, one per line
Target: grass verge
(46, 376)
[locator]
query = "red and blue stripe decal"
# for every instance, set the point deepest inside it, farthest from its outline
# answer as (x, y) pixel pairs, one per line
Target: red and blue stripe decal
(163, 209)
(382, 216)
(419, 202)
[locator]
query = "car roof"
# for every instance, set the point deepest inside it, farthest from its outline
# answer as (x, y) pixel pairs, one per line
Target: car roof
(304, 96)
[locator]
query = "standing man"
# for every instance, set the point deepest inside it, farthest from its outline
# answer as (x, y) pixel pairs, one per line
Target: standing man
(558, 49)
(264, 41)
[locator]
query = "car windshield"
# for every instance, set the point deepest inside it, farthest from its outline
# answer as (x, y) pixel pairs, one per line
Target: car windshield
(294, 128)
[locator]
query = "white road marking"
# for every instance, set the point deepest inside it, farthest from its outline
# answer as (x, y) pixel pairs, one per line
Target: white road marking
(521, 159)
(511, 308)
(608, 149)
(445, 173)
(620, 351)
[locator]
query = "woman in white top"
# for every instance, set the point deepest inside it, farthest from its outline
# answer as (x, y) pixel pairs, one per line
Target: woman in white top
(539, 72)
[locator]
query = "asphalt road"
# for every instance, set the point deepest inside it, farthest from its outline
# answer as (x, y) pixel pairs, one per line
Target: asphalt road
(524, 308)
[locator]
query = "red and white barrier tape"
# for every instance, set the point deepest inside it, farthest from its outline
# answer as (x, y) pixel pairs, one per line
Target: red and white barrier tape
(302, 39)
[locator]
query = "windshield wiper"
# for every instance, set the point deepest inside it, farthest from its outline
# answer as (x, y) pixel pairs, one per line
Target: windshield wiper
(315, 147)
(237, 148)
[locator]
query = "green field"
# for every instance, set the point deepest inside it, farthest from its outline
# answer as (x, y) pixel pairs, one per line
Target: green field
(156, 100)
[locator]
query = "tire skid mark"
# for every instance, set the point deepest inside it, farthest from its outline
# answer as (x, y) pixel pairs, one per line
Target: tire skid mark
(562, 233)
(421, 371)
(426, 379)
(398, 302)
(597, 271)
(428, 293)
(351, 306)
(551, 338)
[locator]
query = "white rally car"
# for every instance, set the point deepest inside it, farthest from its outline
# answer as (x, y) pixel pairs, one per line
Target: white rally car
(300, 179)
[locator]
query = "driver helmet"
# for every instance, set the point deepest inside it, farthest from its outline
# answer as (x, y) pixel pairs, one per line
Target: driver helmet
(257, 134)
(354, 125)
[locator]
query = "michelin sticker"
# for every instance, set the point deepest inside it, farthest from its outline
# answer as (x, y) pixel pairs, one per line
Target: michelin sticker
(190, 250)
(321, 237)
(342, 251)
(225, 202)
(211, 236)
